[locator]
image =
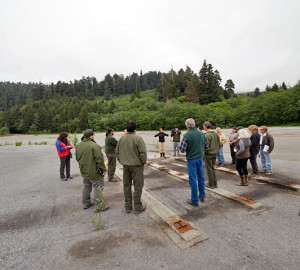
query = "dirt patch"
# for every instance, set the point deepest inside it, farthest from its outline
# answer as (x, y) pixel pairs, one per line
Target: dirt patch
(23, 220)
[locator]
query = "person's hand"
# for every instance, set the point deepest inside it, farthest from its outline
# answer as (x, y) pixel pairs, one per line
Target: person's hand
(104, 173)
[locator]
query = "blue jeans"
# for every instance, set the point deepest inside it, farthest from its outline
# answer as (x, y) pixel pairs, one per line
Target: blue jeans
(220, 156)
(196, 171)
(265, 161)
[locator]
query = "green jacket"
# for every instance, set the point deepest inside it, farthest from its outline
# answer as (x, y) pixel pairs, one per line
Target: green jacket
(88, 154)
(176, 136)
(195, 144)
(110, 144)
(213, 142)
(131, 150)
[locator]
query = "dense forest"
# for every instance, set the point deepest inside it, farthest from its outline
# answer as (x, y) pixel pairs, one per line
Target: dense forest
(153, 100)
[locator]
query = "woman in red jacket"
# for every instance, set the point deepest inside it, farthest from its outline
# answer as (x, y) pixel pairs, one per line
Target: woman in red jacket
(63, 147)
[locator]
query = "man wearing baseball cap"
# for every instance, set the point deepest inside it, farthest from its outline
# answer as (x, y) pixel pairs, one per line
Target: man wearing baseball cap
(91, 163)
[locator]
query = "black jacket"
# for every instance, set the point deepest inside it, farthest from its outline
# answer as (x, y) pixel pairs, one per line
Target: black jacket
(161, 136)
(254, 148)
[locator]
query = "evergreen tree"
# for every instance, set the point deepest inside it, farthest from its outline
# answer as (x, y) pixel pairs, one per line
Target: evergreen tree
(190, 93)
(83, 118)
(256, 92)
(229, 85)
(106, 91)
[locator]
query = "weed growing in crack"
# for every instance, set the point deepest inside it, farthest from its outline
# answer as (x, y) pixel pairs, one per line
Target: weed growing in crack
(96, 219)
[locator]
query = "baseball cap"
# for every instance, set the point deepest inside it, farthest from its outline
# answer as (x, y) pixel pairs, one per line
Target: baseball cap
(89, 133)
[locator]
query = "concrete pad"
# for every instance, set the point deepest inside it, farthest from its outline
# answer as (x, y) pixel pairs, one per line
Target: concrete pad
(184, 234)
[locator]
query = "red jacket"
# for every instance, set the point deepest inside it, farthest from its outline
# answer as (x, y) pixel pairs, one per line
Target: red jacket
(62, 149)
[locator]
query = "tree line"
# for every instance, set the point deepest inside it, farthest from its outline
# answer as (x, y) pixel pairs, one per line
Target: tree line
(75, 106)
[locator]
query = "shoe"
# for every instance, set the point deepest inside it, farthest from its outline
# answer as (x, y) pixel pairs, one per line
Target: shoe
(142, 209)
(113, 180)
(222, 165)
(70, 177)
(253, 175)
(263, 171)
(64, 179)
(201, 199)
(128, 210)
(216, 186)
(105, 208)
(191, 203)
(209, 186)
(268, 173)
(90, 204)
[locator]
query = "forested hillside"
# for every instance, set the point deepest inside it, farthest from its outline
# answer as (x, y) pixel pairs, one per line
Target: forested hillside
(112, 102)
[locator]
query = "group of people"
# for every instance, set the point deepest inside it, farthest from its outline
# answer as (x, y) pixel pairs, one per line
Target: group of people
(130, 151)
(200, 144)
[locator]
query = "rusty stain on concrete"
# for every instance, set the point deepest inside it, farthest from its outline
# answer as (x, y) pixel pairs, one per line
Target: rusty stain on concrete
(182, 226)
(248, 200)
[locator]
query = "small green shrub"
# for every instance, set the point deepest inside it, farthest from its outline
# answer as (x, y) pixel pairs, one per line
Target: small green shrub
(4, 131)
(96, 219)
(29, 143)
(18, 143)
(43, 143)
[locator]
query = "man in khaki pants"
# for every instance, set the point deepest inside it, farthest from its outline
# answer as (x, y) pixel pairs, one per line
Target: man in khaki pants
(131, 153)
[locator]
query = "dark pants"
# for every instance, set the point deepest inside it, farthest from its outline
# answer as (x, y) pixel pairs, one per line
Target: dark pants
(254, 164)
(241, 166)
(98, 191)
(136, 175)
(232, 152)
(64, 163)
(112, 162)
(210, 162)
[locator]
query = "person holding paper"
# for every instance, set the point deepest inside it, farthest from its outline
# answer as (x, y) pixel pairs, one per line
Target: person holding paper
(266, 144)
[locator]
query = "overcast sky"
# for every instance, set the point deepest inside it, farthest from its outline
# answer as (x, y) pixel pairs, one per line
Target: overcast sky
(254, 43)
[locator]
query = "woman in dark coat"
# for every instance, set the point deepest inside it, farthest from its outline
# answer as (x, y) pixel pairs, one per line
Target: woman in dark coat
(161, 138)
(254, 149)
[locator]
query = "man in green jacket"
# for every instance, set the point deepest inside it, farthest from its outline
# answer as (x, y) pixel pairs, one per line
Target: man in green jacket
(110, 151)
(131, 153)
(213, 143)
(91, 163)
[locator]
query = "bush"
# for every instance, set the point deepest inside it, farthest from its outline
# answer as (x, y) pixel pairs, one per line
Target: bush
(4, 131)
(18, 143)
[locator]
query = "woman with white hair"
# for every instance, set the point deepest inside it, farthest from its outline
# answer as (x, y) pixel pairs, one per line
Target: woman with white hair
(242, 149)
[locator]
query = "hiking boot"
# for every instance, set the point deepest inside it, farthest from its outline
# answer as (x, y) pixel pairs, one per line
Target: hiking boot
(268, 173)
(90, 204)
(201, 199)
(242, 183)
(191, 203)
(142, 209)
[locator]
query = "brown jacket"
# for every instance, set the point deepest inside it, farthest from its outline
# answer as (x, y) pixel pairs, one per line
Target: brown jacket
(268, 140)
(245, 153)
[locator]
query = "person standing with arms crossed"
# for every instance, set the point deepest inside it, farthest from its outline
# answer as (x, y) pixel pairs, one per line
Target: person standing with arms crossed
(110, 151)
(176, 141)
(161, 138)
(131, 153)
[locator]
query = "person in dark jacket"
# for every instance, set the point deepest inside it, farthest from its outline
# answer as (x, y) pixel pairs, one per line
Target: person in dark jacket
(254, 149)
(242, 149)
(91, 163)
(266, 144)
(110, 151)
(63, 148)
(161, 138)
(175, 133)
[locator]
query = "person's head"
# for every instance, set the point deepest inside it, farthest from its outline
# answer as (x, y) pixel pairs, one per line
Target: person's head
(190, 123)
(263, 129)
(234, 129)
(89, 133)
(218, 130)
(176, 129)
(244, 134)
(253, 129)
(160, 130)
(206, 126)
(63, 137)
(125, 130)
(200, 128)
(131, 127)
(110, 131)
